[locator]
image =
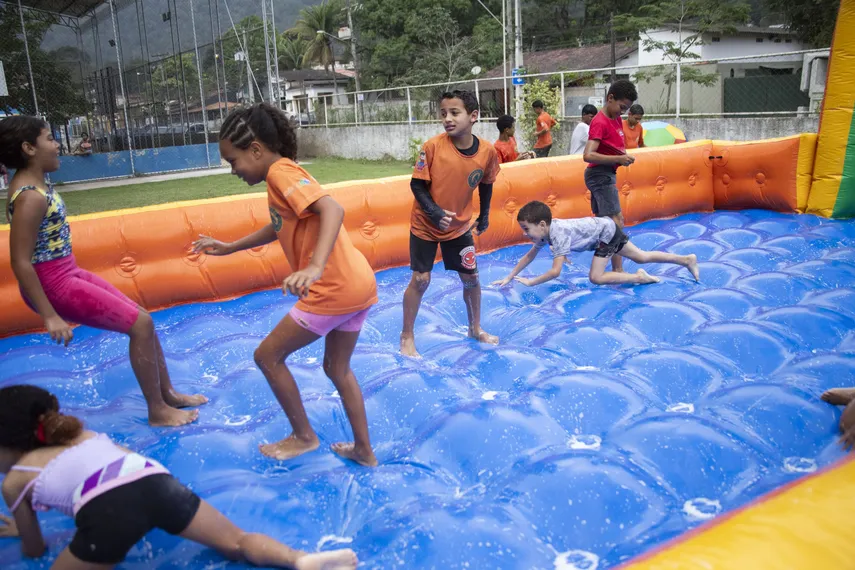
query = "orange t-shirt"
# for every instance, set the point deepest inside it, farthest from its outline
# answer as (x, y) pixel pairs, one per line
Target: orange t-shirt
(507, 150)
(347, 283)
(544, 121)
(633, 136)
(453, 178)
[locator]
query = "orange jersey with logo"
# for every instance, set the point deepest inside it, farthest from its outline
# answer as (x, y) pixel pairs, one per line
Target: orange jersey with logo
(507, 150)
(453, 177)
(347, 283)
(544, 121)
(633, 136)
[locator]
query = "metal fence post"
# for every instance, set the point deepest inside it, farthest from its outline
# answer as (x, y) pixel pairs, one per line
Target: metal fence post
(201, 90)
(326, 113)
(563, 99)
(409, 108)
(29, 63)
(356, 108)
(122, 86)
(678, 88)
(477, 93)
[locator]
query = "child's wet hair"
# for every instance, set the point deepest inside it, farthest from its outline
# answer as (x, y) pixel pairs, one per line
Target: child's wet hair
(504, 122)
(535, 212)
(470, 102)
(14, 132)
(30, 418)
(263, 123)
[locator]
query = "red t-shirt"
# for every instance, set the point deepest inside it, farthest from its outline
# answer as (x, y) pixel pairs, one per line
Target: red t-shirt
(610, 134)
(507, 151)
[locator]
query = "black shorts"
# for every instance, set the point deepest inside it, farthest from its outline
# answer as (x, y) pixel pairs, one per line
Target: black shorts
(110, 525)
(601, 180)
(542, 152)
(458, 254)
(614, 246)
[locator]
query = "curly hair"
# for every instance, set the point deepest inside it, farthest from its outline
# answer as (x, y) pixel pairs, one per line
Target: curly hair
(14, 132)
(263, 123)
(30, 419)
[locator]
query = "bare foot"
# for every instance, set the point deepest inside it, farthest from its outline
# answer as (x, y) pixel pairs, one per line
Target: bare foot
(289, 447)
(839, 396)
(344, 559)
(408, 346)
(692, 266)
(168, 416)
(350, 451)
(644, 277)
(482, 336)
(178, 400)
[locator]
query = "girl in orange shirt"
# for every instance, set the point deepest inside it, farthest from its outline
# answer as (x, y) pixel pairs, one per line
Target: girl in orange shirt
(332, 280)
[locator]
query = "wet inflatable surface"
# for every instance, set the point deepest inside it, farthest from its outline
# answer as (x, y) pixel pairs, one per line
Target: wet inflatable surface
(608, 420)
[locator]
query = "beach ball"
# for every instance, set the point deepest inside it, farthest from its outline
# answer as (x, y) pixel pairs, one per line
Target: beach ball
(660, 133)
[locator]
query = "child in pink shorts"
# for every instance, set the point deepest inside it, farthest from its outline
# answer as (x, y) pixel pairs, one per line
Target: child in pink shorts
(333, 281)
(56, 288)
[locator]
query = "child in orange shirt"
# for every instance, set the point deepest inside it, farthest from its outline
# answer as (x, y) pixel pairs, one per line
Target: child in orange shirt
(332, 280)
(633, 134)
(543, 126)
(450, 167)
(506, 146)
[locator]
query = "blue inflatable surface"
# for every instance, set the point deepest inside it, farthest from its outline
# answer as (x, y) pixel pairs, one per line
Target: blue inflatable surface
(608, 420)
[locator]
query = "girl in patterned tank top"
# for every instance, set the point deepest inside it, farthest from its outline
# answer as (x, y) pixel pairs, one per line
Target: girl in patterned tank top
(54, 286)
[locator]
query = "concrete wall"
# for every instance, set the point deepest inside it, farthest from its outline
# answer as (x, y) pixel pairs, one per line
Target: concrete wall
(391, 141)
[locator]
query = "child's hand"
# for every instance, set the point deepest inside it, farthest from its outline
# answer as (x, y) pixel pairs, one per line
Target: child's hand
(59, 330)
(502, 282)
(524, 280)
(625, 159)
(446, 220)
(210, 246)
(298, 283)
(8, 528)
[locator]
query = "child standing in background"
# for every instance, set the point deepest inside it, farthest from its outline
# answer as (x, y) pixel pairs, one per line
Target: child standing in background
(332, 280)
(56, 288)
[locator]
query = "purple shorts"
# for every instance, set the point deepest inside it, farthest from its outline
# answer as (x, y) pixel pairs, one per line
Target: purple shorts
(81, 297)
(322, 325)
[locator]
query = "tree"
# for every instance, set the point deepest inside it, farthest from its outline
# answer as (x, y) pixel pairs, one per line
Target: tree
(315, 26)
(443, 54)
(690, 19)
(812, 20)
(551, 98)
(58, 90)
(291, 52)
(166, 77)
(250, 28)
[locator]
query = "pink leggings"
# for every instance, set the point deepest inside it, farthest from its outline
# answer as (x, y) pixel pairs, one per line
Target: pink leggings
(84, 298)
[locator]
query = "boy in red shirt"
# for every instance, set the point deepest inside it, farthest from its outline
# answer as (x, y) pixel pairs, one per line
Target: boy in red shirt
(506, 146)
(632, 131)
(543, 124)
(450, 167)
(605, 152)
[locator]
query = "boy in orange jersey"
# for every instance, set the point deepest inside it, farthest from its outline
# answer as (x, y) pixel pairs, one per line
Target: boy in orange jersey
(543, 124)
(633, 133)
(506, 145)
(450, 167)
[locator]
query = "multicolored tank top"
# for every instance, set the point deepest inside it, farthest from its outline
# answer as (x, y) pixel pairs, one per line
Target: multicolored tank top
(54, 240)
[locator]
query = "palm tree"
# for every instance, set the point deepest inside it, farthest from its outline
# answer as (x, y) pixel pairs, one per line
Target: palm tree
(291, 51)
(315, 25)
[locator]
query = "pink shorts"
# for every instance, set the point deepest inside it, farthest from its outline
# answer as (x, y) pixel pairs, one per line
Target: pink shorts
(81, 297)
(322, 325)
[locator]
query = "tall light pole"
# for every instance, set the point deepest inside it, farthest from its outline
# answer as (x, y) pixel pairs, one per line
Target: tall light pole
(518, 54)
(503, 23)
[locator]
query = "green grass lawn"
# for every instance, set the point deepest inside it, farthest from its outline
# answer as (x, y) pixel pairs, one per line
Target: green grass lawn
(325, 170)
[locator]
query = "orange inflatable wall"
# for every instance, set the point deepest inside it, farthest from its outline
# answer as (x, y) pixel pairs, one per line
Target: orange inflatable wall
(145, 252)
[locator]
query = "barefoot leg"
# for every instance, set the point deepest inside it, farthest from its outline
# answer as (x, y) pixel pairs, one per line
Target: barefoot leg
(412, 301)
(212, 529)
(839, 396)
(599, 276)
(170, 395)
(640, 256)
(287, 338)
(337, 353)
(144, 360)
(472, 299)
(617, 260)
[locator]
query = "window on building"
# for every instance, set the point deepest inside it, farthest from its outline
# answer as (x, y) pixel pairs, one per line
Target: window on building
(759, 40)
(788, 41)
(716, 39)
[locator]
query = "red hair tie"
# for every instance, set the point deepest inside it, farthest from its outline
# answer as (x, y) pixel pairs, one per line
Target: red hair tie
(40, 432)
